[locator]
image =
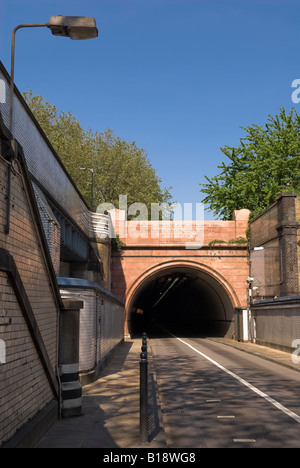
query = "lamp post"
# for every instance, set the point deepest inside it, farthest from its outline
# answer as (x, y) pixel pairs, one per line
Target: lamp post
(74, 27)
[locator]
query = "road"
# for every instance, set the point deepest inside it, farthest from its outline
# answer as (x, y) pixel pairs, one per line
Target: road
(215, 396)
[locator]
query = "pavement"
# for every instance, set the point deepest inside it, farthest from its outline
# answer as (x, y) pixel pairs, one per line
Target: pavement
(111, 408)
(111, 411)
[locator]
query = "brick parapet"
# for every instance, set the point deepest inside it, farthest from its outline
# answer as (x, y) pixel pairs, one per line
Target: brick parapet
(179, 233)
(273, 248)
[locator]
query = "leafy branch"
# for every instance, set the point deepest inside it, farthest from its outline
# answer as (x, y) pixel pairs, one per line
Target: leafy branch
(238, 241)
(266, 163)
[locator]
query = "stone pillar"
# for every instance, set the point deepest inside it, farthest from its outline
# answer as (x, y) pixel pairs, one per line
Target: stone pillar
(68, 358)
(287, 232)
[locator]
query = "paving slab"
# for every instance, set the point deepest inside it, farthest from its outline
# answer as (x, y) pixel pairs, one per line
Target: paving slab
(111, 408)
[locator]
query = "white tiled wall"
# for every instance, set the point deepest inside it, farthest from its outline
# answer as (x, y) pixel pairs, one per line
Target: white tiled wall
(101, 326)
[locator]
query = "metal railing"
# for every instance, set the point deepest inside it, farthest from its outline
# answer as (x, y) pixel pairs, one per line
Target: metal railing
(101, 225)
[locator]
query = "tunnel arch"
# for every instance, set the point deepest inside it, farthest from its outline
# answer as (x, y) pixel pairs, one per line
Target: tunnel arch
(195, 296)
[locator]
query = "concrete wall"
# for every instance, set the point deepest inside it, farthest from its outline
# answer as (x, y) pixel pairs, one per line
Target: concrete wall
(276, 322)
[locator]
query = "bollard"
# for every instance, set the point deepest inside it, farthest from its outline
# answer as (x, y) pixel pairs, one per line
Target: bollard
(144, 392)
(144, 343)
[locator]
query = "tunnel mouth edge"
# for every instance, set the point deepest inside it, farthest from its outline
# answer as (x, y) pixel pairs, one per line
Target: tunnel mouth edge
(167, 267)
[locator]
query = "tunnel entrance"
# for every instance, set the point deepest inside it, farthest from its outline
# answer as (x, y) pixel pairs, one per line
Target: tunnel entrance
(186, 301)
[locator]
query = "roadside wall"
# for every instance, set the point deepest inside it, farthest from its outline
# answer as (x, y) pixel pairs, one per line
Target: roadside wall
(275, 269)
(277, 322)
(101, 324)
(274, 253)
(30, 305)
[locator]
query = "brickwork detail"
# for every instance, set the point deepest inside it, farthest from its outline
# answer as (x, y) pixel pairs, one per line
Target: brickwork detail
(227, 263)
(297, 208)
(274, 252)
(24, 388)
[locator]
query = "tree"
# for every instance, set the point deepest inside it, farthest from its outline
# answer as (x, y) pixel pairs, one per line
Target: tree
(119, 167)
(266, 163)
(124, 169)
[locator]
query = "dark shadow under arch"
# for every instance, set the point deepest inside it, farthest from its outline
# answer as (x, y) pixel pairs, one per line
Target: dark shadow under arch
(185, 299)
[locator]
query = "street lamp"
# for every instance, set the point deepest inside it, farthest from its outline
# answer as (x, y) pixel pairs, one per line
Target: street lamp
(74, 27)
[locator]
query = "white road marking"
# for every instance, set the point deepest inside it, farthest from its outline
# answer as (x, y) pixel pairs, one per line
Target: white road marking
(226, 417)
(244, 440)
(271, 400)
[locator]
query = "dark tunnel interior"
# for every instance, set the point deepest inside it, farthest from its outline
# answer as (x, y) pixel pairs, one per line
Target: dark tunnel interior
(185, 301)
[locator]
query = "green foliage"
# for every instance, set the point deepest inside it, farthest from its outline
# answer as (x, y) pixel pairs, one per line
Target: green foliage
(266, 163)
(238, 241)
(215, 242)
(119, 167)
(117, 244)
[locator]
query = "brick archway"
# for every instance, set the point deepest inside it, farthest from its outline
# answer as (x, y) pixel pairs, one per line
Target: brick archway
(219, 262)
(213, 280)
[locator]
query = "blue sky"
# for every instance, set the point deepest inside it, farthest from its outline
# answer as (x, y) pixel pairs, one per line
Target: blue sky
(178, 77)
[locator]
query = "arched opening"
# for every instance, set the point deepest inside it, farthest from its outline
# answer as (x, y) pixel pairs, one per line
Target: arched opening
(183, 298)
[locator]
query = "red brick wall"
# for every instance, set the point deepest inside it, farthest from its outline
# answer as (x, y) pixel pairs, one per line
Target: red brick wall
(227, 263)
(298, 234)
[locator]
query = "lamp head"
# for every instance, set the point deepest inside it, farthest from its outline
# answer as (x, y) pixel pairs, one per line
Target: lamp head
(74, 27)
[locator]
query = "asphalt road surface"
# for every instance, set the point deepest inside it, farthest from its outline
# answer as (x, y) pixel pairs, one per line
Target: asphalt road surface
(215, 396)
